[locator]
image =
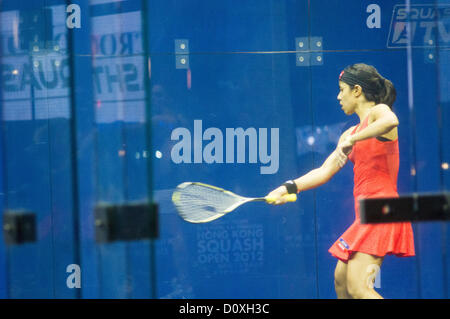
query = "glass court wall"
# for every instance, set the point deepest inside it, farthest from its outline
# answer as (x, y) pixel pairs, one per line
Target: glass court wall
(107, 106)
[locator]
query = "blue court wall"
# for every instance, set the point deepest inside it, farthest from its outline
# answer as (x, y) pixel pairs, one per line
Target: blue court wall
(76, 105)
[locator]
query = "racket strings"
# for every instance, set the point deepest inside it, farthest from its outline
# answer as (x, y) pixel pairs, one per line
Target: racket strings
(198, 203)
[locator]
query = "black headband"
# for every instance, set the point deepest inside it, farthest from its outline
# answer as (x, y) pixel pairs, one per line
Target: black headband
(362, 80)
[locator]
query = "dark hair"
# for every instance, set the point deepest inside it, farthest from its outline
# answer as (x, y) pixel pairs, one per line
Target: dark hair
(375, 87)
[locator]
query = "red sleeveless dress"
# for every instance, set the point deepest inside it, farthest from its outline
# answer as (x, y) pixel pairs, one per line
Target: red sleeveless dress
(375, 170)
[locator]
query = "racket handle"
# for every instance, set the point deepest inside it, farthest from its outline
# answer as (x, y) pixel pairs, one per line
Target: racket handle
(289, 198)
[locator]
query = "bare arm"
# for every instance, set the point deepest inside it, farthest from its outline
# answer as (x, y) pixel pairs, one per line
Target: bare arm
(323, 174)
(382, 121)
(318, 176)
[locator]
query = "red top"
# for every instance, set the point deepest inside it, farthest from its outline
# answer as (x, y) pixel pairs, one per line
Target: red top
(376, 165)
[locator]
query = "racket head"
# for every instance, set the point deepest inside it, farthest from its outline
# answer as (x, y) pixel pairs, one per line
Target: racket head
(201, 203)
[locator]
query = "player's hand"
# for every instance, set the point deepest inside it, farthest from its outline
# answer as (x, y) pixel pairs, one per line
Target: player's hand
(341, 157)
(276, 197)
(346, 145)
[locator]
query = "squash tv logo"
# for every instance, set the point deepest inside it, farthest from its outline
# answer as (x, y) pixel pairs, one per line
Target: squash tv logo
(422, 24)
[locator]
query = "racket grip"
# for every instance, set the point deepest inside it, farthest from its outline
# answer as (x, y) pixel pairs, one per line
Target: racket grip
(289, 198)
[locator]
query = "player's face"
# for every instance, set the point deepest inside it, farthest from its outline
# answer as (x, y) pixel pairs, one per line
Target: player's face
(346, 98)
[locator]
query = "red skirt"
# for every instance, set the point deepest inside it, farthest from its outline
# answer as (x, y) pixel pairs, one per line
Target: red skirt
(374, 239)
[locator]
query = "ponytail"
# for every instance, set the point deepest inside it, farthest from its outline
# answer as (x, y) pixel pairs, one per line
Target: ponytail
(390, 94)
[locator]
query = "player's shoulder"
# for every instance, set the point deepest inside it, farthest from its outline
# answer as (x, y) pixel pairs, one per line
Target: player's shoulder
(378, 111)
(380, 108)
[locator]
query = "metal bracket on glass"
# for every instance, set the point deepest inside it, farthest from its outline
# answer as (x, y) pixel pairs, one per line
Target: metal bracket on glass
(316, 45)
(125, 222)
(182, 53)
(430, 51)
(309, 51)
(19, 227)
(302, 51)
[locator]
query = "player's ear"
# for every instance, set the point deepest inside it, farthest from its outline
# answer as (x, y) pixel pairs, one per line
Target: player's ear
(357, 90)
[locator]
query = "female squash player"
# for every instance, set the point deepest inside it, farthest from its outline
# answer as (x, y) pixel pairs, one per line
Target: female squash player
(372, 146)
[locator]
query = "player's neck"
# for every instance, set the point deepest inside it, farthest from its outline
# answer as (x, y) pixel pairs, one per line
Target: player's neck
(363, 109)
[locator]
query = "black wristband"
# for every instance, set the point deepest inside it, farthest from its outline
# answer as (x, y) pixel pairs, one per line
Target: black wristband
(291, 187)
